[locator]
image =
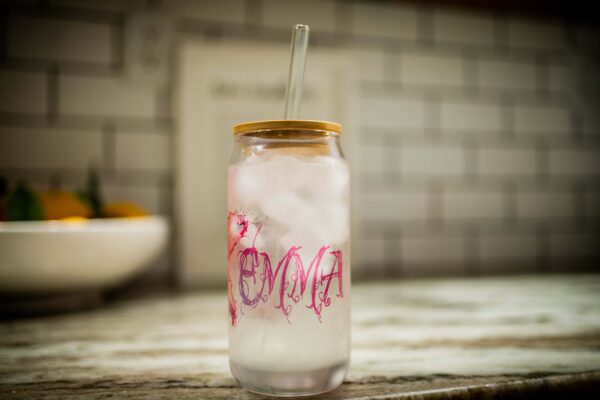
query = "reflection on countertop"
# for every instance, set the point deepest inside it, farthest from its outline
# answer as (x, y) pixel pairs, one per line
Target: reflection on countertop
(443, 338)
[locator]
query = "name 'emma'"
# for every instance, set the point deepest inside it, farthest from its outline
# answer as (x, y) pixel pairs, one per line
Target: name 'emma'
(257, 279)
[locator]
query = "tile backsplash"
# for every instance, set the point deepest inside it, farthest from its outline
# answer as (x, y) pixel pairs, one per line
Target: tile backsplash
(479, 131)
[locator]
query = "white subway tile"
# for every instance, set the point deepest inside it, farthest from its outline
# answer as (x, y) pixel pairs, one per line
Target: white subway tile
(508, 246)
(231, 11)
(471, 117)
(58, 39)
(574, 162)
(592, 204)
(544, 120)
(427, 69)
(562, 78)
(23, 92)
(48, 149)
(318, 14)
(574, 245)
(106, 97)
(371, 159)
(591, 121)
(506, 75)
(370, 255)
(435, 159)
(527, 33)
(393, 206)
(391, 21)
(548, 204)
(508, 253)
(463, 27)
(432, 255)
(473, 205)
(507, 161)
(369, 63)
(390, 113)
(512, 266)
(143, 151)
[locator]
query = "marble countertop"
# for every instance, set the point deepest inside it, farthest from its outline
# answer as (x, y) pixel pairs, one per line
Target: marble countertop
(446, 338)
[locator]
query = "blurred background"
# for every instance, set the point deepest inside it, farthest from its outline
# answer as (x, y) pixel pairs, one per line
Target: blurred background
(472, 128)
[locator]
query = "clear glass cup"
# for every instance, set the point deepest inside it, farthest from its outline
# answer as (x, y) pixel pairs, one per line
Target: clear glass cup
(288, 258)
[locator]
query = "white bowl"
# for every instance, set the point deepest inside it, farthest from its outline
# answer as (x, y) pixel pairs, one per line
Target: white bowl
(55, 256)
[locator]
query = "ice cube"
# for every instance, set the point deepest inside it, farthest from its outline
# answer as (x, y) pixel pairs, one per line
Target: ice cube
(285, 208)
(288, 173)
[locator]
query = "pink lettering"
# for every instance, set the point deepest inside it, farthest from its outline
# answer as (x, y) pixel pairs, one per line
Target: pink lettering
(292, 277)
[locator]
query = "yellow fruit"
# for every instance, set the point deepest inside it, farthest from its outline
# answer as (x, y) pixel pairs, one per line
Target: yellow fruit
(58, 204)
(123, 209)
(74, 220)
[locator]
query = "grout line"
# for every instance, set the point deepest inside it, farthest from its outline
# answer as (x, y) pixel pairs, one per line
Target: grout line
(542, 76)
(392, 251)
(472, 250)
(109, 148)
(117, 44)
(490, 183)
(253, 14)
(577, 126)
(471, 151)
(78, 68)
(501, 34)
(508, 118)
(489, 140)
(449, 93)
(425, 27)
(84, 122)
(392, 68)
(544, 258)
(580, 203)
(343, 17)
(471, 72)
(134, 177)
(393, 174)
(163, 103)
(435, 205)
(433, 114)
(510, 203)
(542, 161)
(52, 94)
(486, 227)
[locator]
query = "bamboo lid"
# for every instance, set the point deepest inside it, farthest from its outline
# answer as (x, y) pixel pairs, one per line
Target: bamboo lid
(282, 125)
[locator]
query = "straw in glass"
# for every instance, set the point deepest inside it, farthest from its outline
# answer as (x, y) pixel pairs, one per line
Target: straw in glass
(293, 93)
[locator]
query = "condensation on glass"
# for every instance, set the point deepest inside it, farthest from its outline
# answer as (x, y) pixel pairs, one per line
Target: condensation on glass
(288, 257)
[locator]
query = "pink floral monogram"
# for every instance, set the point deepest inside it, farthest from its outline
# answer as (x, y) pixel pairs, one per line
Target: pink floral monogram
(257, 279)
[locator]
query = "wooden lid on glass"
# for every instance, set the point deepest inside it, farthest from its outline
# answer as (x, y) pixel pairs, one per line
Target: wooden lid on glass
(283, 125)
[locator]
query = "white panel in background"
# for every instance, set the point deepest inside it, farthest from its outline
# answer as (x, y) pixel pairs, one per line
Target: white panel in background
(220, 85)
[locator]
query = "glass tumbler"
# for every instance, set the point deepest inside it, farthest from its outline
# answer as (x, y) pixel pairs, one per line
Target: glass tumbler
(288, 257)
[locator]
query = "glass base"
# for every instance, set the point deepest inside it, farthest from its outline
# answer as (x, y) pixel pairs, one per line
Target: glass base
(292, 383)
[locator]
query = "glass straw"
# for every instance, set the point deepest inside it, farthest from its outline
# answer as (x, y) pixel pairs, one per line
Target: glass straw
(293, 92)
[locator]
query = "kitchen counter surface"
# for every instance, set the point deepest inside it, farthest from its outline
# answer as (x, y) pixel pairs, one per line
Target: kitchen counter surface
(445, 338)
